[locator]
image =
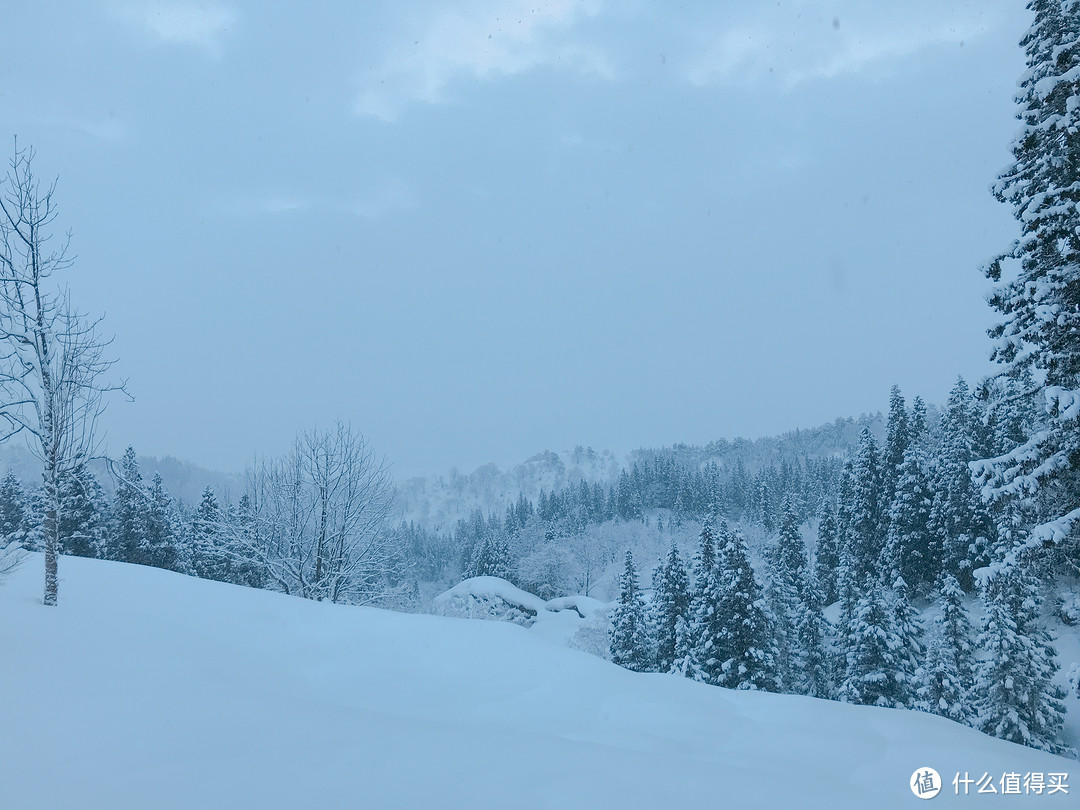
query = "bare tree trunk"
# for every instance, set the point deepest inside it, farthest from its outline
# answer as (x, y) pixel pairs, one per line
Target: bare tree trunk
(51, 360)
(321, 545)
(52, 556)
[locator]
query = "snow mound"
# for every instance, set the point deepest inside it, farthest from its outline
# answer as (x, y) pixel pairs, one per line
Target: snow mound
(489, 598)
(584, 606)
(497, 599)
(149, 689)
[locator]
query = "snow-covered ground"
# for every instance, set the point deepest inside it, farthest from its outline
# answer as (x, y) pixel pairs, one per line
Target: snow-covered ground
(147, 689)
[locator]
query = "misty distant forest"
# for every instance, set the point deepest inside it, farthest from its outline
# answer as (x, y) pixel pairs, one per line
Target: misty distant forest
(926, 557)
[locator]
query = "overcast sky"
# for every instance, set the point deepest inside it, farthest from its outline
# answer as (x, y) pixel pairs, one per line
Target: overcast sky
(481, 229)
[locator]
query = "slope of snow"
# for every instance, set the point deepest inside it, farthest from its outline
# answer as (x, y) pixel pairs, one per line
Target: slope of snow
(147, 689)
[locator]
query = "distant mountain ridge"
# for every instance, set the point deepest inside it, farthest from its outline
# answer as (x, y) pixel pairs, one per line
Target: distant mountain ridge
(437, 502)
(184, 480)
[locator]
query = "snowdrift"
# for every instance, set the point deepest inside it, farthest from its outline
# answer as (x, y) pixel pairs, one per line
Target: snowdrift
(497, 599)
(146, 689)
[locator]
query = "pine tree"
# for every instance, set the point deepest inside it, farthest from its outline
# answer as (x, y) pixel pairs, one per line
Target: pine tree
(849, 591)
(867, 525)
(918, 424)
(909, 549)
(764, 505)
(745, 645)
(14, 512)
(1017, 699)
(703, 659)
(947, 678)
(207, 558)
(796, 610)
(671, 602)
(959, 522)
(812, 629)
(940, 691)
(246, 568)
(82, 526)
(910, 651)
(783, 606)
(491, 557)
(129, 512)
(1037, 281)
(14, 523)
(629, 641)
(683, 663)
(956, 630)
(897, 439)
(872, 647)
(827, 558)
(158, 546)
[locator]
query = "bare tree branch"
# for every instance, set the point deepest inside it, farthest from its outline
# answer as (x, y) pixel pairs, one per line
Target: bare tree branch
(52, 359)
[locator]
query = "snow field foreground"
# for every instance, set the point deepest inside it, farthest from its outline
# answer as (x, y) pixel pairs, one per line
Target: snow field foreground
(148, 689)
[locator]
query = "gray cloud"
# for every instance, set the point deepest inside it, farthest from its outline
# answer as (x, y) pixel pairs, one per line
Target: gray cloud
(201, 25)
(802, 41)
(478, 40)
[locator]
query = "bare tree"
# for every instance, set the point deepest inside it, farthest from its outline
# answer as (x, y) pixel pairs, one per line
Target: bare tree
(314, 519)
(52, 359)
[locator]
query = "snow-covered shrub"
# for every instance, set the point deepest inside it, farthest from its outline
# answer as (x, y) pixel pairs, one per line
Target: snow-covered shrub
(593, 636)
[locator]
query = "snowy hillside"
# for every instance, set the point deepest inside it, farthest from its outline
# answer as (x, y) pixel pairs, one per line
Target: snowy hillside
(148, 689)
(438, 502)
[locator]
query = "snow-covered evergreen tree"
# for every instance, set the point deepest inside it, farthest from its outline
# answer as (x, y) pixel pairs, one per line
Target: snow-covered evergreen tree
(629, 641)
(158, 546)
(490, 558)
(783, 605)
(867, 525)
(129, 511)
(245, 568)
(910, 651)
(670, 603)
(812, 629)
(1013, 410)
(14, 524)
(1016, 696)
(1038, 281)
(795, 605)
(764, 505)
(82, 524)
(704, 656)
(917, 427)
(940, 691)
(872, 654)
(947, 679)
(14, 511)
(208, 558)
(682, 665)
(908, 547)
(897, 439)
(849, 590)
(959, 522)
(827, 556)
(746, 646)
